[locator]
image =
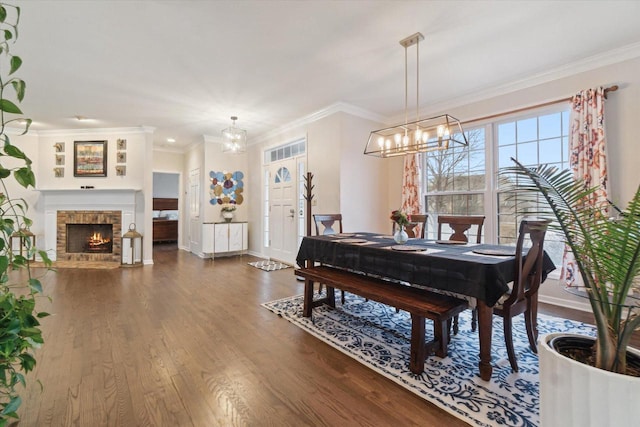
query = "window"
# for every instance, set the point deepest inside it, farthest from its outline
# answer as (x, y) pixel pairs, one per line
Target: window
(455, 180)
(460, 181)
(285, 151)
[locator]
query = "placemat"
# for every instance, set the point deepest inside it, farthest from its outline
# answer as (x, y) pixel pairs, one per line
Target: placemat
(450, 242)
(408, 248)
(352, 241)
(495, 252)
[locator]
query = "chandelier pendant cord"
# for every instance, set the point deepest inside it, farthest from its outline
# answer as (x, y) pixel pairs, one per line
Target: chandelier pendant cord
(421, 135)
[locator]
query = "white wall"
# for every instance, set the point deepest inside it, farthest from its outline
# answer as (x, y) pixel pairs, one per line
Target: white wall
(344, 180)
(40, 147)
(217, 161)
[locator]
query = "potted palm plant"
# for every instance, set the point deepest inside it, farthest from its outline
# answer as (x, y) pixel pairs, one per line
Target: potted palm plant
(20, 333)
(607, 254)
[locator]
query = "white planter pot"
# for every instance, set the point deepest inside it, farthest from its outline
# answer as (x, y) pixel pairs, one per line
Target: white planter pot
(575, 394)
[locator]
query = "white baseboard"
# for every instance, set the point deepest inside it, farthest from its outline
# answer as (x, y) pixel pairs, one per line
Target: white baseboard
(582, 306)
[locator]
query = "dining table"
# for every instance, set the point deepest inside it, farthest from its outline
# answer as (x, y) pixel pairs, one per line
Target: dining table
(479, 273)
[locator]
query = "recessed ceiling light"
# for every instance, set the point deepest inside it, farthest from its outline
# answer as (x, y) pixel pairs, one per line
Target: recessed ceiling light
(171, 140)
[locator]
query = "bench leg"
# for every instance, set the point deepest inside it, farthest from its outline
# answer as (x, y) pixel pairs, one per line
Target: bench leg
(331, 296)
(441, 336)
(308, 298)
(418, 352)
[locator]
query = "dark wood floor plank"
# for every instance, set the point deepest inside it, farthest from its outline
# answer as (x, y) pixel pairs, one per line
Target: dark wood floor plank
(185, 343)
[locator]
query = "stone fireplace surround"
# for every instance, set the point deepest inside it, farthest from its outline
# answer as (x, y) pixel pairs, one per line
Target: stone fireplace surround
(88, 217)
(118, 206)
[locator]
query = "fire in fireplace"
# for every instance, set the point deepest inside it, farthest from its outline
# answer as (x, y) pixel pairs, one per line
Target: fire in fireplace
(89, 238)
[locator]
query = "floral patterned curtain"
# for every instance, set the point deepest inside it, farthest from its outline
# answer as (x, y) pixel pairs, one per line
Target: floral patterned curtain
(411, 186)
(588, 159)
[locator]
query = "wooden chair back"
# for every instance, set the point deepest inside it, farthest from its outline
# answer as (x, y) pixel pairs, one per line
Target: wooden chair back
(460, 224)
(528, 269)
(416, 226)
(328, 223)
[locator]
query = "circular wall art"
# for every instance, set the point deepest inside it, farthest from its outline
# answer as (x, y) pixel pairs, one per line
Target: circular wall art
(226, 187)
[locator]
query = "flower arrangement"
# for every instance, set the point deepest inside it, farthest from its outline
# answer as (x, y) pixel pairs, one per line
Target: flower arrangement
(228, 207)
(401, 218)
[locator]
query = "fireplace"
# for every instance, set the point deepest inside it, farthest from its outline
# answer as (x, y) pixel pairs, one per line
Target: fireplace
(89, 235)
(89, 238)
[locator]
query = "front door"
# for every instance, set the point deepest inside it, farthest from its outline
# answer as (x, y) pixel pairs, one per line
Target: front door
(282, 211)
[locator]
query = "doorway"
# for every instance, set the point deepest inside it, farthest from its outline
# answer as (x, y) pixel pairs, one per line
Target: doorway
(166, 210)
(284, 219)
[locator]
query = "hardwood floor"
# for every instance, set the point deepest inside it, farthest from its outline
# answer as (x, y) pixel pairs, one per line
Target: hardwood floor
(185, 343)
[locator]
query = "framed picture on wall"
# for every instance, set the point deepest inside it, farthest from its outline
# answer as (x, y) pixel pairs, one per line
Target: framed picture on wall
(89, 158)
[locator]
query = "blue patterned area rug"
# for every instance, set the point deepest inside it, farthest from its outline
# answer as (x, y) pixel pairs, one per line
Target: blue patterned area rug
(377, 336)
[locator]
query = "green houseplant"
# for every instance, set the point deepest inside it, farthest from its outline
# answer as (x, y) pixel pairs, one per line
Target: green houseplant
(586, 381)
(607, 253)
(19, 325)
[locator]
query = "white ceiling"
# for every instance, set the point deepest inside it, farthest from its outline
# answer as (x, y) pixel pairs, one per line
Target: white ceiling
(185, 67)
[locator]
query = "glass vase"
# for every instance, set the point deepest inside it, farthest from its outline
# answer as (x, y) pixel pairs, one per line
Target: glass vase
(400, 236)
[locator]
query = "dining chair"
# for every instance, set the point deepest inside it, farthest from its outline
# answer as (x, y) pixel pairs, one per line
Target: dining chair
(461, 224)
(416, 220)
(327, 222)
(523, 294)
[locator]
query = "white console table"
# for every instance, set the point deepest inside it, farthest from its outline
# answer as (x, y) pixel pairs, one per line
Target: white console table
(225, 238)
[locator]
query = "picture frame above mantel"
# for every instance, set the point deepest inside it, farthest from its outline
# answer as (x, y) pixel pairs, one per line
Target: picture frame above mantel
(89, 159)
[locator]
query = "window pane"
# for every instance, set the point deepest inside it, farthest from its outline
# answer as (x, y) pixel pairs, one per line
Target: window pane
(550, 126)
(506, 133)
(550, 150)
(527, 130)
(477, 180)
(505, 154)
(528, 153)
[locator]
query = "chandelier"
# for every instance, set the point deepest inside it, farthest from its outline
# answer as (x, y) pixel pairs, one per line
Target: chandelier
(420, 135)
(234, 138)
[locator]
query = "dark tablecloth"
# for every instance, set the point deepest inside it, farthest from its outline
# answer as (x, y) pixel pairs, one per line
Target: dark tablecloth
(452, 268)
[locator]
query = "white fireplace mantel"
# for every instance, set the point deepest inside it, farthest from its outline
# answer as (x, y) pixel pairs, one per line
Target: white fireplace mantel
(53, 200)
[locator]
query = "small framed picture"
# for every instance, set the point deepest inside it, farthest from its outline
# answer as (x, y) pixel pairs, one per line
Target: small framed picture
(89, 158)
(59, 159)
(58, 172)
(121, 144)
(121, 170)
(59, 147)
(121, 157)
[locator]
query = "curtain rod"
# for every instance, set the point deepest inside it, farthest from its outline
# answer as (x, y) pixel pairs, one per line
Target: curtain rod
(544, 104)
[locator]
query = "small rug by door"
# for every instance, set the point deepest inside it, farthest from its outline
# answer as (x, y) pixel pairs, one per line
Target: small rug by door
(377, 336)
(269, 265)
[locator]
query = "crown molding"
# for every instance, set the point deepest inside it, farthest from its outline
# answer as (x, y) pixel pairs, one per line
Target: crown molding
(614, 56)
(125, 130)
(337, 107)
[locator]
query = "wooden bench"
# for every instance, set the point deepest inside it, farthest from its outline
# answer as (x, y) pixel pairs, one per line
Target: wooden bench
(420, 303)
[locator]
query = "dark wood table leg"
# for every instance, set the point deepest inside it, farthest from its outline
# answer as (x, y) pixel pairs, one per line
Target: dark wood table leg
(418, 351)
(485, 329)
